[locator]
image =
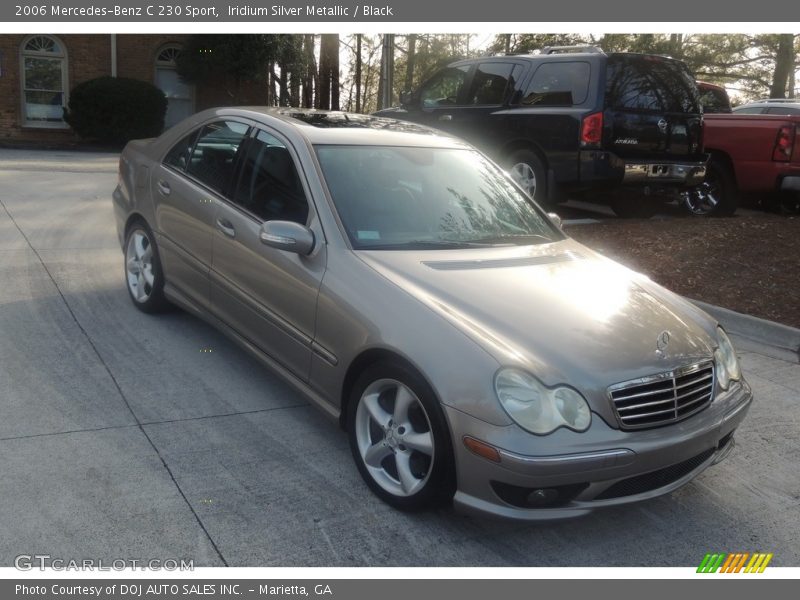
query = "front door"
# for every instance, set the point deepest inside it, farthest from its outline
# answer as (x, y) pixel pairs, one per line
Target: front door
(267, 296)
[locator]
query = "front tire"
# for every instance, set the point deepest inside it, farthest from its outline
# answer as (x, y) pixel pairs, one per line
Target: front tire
(399, 438)
(143, 273)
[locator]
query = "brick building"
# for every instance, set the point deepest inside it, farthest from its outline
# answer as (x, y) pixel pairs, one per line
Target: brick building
(38, 71)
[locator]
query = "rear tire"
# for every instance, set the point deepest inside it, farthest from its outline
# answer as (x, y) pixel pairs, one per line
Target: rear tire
(143, 273)
(399, 438)
(528, 171)
(717, 196)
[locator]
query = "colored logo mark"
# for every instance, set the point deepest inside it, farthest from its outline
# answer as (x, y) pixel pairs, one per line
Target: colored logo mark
(739, 562)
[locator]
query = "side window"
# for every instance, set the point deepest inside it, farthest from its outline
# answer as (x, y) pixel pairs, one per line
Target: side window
(269, 185)
(783, 110)
(490, 84)
(214, 154)
(558, 84)
(750, 110)
(180, 153)
(445, 88)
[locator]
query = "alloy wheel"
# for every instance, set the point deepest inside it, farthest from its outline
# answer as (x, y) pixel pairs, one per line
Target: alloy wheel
(704, 198)
(139, 266)
(394, 437)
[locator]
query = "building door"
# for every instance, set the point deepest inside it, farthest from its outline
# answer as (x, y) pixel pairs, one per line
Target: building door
(180, 95)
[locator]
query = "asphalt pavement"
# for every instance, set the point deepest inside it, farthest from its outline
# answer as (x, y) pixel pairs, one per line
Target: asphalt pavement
(124, 435)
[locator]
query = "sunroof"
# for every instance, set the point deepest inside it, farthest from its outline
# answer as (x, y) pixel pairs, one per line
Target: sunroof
(324, 119)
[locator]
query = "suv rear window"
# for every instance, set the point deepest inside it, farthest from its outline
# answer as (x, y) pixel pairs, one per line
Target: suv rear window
(650, 83)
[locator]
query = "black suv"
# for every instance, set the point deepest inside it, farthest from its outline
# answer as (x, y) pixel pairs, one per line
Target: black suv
(574, 119)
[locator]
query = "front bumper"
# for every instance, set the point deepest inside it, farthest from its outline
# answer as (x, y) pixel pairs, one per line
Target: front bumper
(600, 467)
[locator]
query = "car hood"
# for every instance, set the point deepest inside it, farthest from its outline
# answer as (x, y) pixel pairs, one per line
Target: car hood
(560, 310)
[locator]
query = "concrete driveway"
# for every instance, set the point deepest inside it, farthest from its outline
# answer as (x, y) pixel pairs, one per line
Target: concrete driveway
(129, 436)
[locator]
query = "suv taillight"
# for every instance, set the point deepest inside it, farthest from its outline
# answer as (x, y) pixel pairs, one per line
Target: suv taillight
(784, 143)
(592, 129)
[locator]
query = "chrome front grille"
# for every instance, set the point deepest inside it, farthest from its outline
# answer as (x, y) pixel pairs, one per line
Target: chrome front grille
(663, 398)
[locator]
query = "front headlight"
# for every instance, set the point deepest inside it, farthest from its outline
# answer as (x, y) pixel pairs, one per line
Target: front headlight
(726, 363)
(539, 409)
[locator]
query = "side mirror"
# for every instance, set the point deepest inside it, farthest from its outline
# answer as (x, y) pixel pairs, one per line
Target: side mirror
(556, 219)
(287, 235)
(406, 97)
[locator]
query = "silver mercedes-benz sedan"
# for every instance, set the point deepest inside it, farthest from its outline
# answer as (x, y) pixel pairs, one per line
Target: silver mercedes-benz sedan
(403, 282)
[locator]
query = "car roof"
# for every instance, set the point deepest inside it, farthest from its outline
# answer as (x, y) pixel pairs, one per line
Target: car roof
(343, 128)
(712, 86)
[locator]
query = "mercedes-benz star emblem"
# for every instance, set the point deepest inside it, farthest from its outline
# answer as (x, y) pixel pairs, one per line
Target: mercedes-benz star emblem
(662, 341)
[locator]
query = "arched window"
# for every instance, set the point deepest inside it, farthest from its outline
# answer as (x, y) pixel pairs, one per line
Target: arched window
(180, 95)
(44, 81)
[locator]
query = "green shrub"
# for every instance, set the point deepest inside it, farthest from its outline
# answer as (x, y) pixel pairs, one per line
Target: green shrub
(116, 109)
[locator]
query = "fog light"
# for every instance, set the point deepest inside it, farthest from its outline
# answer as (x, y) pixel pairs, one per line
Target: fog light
(537, 498)
(543, 497)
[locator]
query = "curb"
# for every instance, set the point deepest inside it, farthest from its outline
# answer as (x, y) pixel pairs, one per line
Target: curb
(758, 335)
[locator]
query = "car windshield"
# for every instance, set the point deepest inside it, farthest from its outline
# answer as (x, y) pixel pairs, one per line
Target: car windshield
(428, 198)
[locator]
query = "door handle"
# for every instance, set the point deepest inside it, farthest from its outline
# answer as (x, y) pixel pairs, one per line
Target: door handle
(226, 227)
(446, 118)
(163, 187)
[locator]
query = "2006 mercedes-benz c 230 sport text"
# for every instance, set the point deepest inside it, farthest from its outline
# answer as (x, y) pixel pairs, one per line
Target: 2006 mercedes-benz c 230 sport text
(405, 284)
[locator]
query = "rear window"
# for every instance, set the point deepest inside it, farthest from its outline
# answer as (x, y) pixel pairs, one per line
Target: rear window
(650, 83)
(558, 84)
(714, 100)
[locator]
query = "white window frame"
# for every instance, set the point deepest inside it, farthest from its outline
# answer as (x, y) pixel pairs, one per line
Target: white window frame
(63, 57)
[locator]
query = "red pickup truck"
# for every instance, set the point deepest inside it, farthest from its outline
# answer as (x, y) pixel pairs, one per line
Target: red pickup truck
(750, 154)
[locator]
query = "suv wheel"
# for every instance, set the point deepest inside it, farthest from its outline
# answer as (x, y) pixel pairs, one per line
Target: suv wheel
(717, 196)
(527, 170)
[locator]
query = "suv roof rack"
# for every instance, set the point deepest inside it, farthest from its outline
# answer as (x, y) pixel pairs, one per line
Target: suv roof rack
(568, 49)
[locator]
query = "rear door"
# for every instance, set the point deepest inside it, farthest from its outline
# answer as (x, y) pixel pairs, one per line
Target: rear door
(652, 109)
(187, 186)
